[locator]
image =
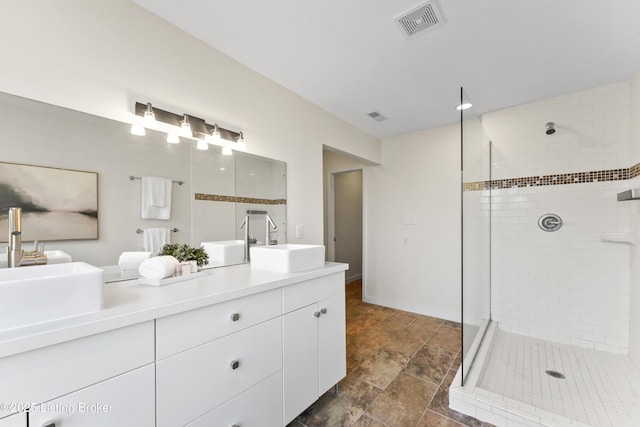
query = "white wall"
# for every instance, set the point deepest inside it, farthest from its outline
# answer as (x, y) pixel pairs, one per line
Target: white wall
(634, 148)
(102, 57)
(569, 285)
(419, 175)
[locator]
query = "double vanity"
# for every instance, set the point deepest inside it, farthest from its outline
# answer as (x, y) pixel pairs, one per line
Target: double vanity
(240, 346)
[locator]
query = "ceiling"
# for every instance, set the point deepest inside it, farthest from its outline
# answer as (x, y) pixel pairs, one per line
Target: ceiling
(350, 57)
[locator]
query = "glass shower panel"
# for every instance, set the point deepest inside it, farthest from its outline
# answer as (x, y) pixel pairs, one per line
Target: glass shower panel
(476, 233)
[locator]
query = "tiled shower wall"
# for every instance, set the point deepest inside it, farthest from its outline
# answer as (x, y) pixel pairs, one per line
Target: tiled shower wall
(572, 285)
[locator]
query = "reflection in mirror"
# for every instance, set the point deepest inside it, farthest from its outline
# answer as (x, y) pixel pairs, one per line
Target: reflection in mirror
(210, 206)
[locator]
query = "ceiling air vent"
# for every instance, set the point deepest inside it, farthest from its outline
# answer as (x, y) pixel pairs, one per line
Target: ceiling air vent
(420, 18)
(377, 116)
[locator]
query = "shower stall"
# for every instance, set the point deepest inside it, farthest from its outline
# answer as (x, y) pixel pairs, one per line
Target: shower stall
(546, 264)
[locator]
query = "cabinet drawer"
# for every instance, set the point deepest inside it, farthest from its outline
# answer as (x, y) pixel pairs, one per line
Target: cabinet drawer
(191, 383)
(49, 372)
(192, 328)
(311, 291)
(260, 406)
(126, 400)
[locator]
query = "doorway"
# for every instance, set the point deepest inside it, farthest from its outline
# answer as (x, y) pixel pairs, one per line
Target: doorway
(345, 222)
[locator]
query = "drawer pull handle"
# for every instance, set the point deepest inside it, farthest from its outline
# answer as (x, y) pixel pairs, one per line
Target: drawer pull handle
(235, 364)
(317, 314)
(323, 311)
(49, 425)
(235, 317)
(236, 425)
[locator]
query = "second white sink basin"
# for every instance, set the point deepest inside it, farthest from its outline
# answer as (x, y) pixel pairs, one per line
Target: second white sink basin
(287, 258)
(225, 252)
(43, 293)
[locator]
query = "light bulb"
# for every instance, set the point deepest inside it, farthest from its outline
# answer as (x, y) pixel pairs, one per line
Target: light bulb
(241, 145)
(185, 127)
(173, 138)
(226, 151)
(138, 130)
(149, 116)
(215, 135)
(202, 145)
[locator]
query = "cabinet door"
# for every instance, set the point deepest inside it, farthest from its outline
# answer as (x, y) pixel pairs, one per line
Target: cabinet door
(300, 367)
(331, 342)
(126, 400)
(17, 420)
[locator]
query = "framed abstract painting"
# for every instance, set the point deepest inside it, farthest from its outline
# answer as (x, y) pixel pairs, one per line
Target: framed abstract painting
(57, 204)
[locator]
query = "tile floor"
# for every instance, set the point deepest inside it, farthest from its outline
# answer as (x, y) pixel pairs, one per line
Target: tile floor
(399, 367)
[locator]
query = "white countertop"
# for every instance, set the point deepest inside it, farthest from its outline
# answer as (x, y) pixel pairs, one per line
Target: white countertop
(127, 303)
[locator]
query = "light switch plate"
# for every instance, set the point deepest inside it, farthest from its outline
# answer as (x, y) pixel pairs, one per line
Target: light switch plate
(409, 219)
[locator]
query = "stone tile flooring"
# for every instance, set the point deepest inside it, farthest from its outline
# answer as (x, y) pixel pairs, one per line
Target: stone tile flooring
(399, 367)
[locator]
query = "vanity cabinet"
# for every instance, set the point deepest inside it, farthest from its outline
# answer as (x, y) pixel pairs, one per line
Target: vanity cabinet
(193, 382)
(48, 373)
(15, 420)
(314, 341)
(126, 400)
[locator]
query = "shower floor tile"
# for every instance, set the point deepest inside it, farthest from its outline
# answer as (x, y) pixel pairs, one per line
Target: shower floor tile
(598, 388)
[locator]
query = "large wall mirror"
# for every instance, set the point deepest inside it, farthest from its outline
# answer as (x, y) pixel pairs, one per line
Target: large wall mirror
(218, 192)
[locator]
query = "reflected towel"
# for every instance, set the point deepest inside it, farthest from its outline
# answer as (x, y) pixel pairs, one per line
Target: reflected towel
(159, 267)
(153, 239)
(132, 260)
(156, 198)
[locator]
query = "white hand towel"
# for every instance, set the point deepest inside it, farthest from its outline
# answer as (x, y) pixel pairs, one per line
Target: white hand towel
(156, 198)
(153, 239)
(132, 260)
(158, 268)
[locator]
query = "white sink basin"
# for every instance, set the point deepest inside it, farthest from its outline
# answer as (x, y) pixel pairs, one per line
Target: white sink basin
(225, 252)
(43, 293)
(53, 257)
(287, 258)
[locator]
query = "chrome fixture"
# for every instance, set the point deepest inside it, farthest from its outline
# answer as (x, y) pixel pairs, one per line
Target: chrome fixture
(16, 257)
(633, 194)
(248, 238)
(550, 128)
(550, 222)
(186, 126)
(240, 143)
(269, 225)
(149, 116)
(215, 135)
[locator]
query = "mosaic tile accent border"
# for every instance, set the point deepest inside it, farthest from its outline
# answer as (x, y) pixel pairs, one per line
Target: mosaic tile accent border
(555, 179)
(236, 199)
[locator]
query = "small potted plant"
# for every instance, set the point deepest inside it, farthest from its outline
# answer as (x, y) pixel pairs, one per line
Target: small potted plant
(186, 254)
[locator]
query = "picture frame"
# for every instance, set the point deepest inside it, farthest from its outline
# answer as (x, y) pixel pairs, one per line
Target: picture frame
(57, 204)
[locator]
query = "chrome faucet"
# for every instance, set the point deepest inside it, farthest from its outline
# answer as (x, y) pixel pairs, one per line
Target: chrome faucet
(269, 224)
(248, 238)
(16, 257)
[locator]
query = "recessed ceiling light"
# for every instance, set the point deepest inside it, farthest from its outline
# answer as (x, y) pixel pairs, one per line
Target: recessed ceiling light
(464, 106)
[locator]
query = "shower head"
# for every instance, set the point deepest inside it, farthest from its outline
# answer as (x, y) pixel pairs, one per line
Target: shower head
(550, 128)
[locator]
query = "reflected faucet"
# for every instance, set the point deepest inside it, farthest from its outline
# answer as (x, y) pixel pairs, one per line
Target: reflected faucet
(16, 257)
(269, 225)
(248, 238)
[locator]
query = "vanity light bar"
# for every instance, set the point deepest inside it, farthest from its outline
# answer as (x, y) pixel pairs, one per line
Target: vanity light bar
(199, 127)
